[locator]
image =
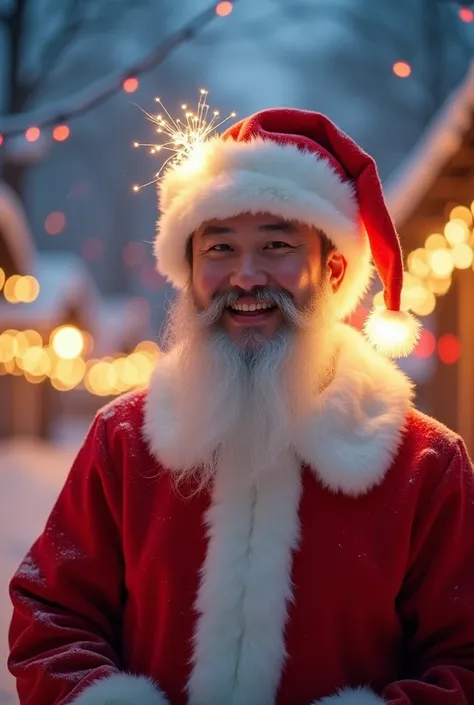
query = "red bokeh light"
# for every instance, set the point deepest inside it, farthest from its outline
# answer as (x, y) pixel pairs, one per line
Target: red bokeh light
(61, 133)
(465, 14)
(32, 134)
(224, 8)
(401, 69)
(426, 345)
(1, 140)
(134, 254)
(92, 249)
(130, 85)
(449, 349)
(55, 223)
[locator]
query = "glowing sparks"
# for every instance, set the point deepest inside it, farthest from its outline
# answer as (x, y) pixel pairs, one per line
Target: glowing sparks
(184, 135)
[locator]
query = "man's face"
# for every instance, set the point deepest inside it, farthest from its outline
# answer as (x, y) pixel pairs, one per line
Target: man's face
(249, 254)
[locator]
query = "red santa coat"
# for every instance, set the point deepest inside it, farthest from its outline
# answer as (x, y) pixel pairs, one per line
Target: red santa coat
(347, 578)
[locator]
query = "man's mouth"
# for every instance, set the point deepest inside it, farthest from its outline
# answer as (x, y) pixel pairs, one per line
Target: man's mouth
(257, 311)
(251, 308)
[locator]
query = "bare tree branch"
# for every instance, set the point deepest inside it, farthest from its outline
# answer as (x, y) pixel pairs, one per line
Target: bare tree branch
(78, 21)
(54, 49)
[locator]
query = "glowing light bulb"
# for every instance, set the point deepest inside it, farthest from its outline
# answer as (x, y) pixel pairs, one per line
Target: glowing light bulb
(67, 342)
(402, 69)
(456, 231)
(32, 134)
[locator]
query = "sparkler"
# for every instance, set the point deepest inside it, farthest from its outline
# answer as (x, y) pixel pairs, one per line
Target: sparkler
(185, 136)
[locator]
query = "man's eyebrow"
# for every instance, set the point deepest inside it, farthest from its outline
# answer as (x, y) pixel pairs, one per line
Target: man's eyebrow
(282, 227)
(215, 230)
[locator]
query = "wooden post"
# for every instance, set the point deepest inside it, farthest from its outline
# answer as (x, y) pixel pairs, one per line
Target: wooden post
(465, 382)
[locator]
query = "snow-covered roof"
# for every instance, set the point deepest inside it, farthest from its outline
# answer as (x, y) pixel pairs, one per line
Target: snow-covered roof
(14, 230)
(441, 140)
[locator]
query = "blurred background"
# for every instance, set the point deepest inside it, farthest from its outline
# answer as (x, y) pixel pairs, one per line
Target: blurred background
(81, 305)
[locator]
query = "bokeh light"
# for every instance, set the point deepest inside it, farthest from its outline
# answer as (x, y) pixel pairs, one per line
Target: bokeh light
(32, 134)
(401, 69)
(449, 349)
(55, 223)
(61, 133)
(130, 85)
(224, 8)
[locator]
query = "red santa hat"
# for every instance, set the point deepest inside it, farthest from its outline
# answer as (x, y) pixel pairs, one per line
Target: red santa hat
(298, 165)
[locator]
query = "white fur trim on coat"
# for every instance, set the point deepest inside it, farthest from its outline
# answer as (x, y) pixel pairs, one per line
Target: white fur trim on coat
(226, 178)
(360, 696)
(121, 689)
(350, 436)
(239, 648)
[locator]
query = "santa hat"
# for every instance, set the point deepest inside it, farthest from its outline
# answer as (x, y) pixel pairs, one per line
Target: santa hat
(297, 165)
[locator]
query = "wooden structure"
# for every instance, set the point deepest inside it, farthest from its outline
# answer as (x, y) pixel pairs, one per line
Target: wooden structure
(438, 175)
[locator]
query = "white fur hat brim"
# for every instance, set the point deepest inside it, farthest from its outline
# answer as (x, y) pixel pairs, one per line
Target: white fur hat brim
(225, 178)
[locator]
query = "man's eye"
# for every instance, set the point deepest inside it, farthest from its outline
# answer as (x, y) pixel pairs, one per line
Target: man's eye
(220, 248)
(278, 245)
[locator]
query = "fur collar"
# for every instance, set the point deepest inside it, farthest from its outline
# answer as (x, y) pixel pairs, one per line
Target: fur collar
(352, 434)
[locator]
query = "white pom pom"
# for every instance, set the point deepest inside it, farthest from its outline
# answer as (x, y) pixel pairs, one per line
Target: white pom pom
(393, 333)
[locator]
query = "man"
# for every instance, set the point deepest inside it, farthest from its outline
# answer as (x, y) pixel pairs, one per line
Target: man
(270, 521)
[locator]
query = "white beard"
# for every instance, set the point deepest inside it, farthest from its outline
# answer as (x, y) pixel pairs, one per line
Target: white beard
(242, 401)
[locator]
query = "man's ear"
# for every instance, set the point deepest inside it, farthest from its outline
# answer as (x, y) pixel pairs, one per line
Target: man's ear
(336, 265)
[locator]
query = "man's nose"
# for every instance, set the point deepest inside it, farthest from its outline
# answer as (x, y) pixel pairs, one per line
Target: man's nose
(248, 273)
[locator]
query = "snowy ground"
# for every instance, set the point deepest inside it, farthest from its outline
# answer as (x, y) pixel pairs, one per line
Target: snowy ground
(31, 475)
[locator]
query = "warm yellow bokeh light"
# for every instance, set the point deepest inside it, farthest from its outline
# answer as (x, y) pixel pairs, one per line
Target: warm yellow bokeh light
(439, 286)
(463, 213)
(8, 346)
(414, 292)
(427, 306)
(418, 263)
(101, 378)
(436, 241)
(462, 255)
(456, 231)
(33, 337)
(69, 372)
(441, 262)
(2, 278)
(67, 342)
(36, 361)
(9, 289)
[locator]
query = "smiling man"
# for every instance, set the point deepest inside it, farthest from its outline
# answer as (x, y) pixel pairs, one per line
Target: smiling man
(271, 522)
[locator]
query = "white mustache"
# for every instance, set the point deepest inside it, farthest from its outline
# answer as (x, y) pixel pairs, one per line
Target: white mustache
(213, 313)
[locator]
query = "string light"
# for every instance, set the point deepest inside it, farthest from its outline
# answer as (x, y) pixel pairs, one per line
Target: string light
(185, 136)
(130, 85)
(64, 364)
(430, 269)
(402, 69)
(224, 8)
(104, 89)
(466, 14)
(32, 134)
(19, 289)
(61, 133)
